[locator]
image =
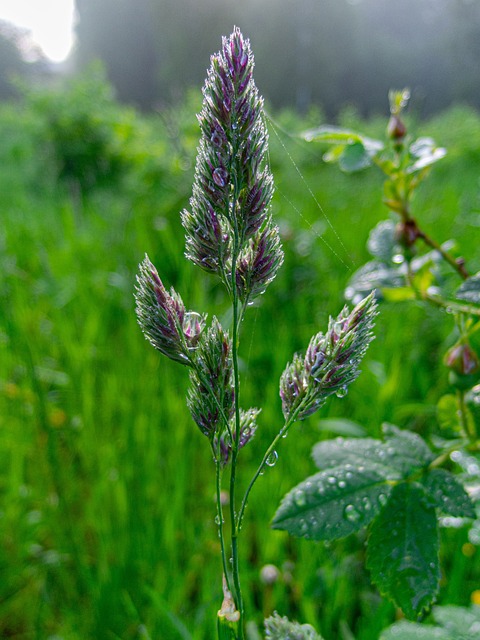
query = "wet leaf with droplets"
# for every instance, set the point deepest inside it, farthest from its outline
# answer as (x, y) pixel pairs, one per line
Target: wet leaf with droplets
(470, 289)
(447, 494)
(410, 630)
(403, 550)
(462, 623)
(401, 454)
(333, 504)
(410, 450)
(355, 452)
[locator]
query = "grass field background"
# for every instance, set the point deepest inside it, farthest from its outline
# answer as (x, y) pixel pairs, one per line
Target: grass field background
(106, 486)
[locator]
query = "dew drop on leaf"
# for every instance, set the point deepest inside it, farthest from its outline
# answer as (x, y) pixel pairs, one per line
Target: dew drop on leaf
(382, 499)
(300, 499)
(351, 514)
(303, 526)
(342, 392)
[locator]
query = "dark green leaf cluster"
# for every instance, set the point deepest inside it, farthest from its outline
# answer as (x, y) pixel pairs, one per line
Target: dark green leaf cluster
(228, 226)
(391, 487)
(92, 140)
(280, 628)
(331, 362)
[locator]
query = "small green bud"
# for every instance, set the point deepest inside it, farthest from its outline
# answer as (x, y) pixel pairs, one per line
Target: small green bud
(462, 359)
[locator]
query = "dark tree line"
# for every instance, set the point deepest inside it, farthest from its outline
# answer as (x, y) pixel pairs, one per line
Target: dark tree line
(327, 52)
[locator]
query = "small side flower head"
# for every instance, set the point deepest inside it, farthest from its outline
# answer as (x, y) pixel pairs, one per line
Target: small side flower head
(331, 362)
(258, 263)
(211, 397)
(163, 318)
(248, 427)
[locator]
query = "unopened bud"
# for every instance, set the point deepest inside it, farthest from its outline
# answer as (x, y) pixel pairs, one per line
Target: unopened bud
(406, 233)
(462, 359)
(396, 129)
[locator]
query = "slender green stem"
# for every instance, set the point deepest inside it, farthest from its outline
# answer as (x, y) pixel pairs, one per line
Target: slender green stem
(236, 439)
(445, 455)
(452, 306)
(219, 520)
(281, 434)
(462, 411)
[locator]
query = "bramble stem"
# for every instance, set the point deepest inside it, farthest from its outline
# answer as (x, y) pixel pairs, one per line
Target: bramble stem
(458, 265)
(451, 306)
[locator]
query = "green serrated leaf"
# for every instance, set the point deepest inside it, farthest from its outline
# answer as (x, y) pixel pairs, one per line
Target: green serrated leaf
(408, 451)
(373, 275)
(413, 631)
(356, 452)
(333, 504)
(447, 413)
(381, 241)
(354, 158)
(470, 289)
(426, 152)
(460, 622)
(280, 628)
(403, 550)
(447, 494)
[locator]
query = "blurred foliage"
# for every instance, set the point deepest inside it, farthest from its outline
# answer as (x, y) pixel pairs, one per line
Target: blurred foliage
(13, 65)
(333, 52)
(92, 141)
(98, 460)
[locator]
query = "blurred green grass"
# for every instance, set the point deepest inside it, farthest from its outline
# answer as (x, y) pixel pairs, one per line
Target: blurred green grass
(107, 509)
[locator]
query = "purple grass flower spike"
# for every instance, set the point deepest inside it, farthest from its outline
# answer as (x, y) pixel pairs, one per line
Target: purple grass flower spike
(163, 318)
(331, 362)
(228, 222)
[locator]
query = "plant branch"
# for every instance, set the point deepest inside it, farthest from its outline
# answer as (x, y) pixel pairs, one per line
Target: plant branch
(457, 264)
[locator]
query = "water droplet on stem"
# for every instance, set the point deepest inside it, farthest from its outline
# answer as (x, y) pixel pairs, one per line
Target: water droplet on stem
(272, 459)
